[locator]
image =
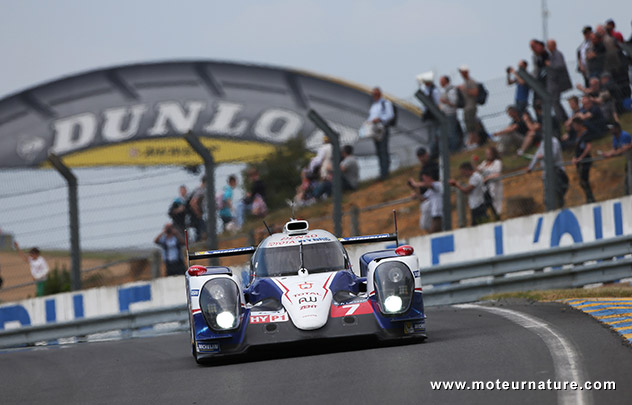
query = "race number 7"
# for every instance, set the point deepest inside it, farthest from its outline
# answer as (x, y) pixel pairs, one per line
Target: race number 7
(351, 308)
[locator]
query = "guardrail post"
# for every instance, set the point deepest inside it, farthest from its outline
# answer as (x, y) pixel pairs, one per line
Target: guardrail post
(209, 168)
(337, 180)
(355, 220)
(547, 120)
(156, 260)
(461, 211)
(73, 210)
(444, 154)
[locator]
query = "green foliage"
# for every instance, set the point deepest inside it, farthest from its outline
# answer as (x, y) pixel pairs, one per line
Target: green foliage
(58, 281)
(280, 171)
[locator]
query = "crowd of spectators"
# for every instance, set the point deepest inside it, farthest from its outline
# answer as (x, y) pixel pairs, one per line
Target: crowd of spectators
(604, 95)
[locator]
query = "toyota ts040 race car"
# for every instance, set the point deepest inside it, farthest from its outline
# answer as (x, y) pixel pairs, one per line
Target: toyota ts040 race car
(301, 286)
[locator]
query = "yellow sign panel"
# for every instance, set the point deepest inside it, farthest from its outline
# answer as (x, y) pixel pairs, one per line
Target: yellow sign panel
(168, 151)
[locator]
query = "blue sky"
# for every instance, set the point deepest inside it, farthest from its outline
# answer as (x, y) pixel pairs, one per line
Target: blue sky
(370, 42)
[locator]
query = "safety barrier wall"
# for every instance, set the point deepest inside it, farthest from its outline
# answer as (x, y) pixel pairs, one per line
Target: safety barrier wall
(585, 223)
(588, 223)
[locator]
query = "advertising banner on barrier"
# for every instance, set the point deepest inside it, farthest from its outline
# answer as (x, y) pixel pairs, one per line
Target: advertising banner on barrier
(536, 232)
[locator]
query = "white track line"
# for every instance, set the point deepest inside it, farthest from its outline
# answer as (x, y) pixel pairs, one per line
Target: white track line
(565, 358)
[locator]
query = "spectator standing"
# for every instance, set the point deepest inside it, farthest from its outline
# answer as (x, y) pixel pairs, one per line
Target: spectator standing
(426, 80)
(582, 159)
(171, 242)
(39, 267)
(448, 105)
(612, 61)
(475, 192)
(557, 79)
(522, 88)
(490, 169)
(178, 209)
(254, 201)
(349, 168)
(561, 178)
(196, 210)
(610, 25)
(621, 143)
(595, 55)
(226, 202)
(431, 206)
(469, 89)
(382, 113)
(582, 66)
(540, 57)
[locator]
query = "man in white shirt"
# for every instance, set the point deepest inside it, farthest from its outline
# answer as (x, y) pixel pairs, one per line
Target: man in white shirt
(39, 267)
(448, 105)
(431, 206)
(475, 192)
(381, 112)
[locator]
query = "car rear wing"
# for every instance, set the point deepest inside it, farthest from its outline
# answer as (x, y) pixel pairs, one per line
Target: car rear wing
(207, 254)
(354, 240)
(383, 237)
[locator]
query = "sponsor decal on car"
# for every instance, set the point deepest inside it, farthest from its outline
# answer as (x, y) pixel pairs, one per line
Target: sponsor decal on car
(416, 273)
(352, 308)
(195, 293)
(305, 286)
(208, 347)
(307, 299)
(267, 318)
(413, 327)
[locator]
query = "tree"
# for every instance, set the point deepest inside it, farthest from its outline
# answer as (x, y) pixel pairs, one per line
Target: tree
(281, 171)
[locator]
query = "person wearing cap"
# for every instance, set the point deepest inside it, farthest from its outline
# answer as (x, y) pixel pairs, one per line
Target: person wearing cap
(582, 67)
(39, 267)
(382, 113)
(469, 88)
(612, 32)
(621, 143)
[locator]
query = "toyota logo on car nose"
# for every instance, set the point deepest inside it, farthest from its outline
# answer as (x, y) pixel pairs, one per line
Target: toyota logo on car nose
(305, 286)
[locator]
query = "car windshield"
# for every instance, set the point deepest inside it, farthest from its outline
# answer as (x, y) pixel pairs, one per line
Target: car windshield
(286, 260)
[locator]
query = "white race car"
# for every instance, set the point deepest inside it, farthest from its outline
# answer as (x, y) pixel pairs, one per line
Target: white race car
(301, 286)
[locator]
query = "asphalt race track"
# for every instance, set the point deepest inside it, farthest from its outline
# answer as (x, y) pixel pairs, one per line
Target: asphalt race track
(465, 344)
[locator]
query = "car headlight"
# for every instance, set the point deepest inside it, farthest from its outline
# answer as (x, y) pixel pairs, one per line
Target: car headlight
(219, 302)
(394, 287)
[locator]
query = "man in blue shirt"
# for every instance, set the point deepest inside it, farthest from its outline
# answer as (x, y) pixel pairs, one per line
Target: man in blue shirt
(381, 112)
(522, 88)
(621, 140)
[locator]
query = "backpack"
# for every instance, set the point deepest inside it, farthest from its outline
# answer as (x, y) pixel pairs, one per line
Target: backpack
(393, 121)
(460, 99)
(481, 98)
